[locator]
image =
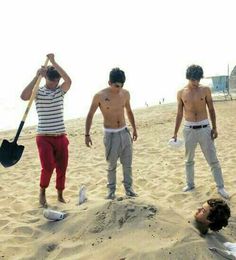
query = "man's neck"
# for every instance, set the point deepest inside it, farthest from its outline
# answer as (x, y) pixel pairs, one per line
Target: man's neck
(114, 90)
(191, 86)
(50, 88)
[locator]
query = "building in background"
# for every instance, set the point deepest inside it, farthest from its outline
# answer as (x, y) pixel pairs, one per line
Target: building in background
(223, 86)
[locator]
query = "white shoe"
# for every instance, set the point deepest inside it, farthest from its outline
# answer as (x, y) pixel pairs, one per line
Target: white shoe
(223, 193)
(188, 188)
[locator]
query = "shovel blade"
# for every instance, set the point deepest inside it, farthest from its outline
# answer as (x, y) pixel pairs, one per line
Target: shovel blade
(10, 153)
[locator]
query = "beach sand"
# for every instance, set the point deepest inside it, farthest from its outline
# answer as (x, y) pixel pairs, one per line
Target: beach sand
(156, 225)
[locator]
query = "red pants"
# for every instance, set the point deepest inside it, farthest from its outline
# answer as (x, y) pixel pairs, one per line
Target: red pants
(53, 153)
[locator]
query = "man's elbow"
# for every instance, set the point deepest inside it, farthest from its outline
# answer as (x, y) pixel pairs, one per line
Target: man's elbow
(211, 110)
(129, 112)
(24, 97)
(180, 115)
(89, 117)
(68, 82)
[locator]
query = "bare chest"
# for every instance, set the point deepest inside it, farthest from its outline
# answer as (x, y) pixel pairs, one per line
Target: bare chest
(194, 98)
(112, 102)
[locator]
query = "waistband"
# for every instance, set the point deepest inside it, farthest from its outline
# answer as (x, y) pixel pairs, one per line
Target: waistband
(197, 126)
(202, 122)
(114, 130)
(44, 134)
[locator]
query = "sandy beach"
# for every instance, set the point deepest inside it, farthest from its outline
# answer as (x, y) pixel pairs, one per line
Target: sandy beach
(155, 225)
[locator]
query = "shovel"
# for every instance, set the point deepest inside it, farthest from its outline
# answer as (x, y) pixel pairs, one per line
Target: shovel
(11, 152)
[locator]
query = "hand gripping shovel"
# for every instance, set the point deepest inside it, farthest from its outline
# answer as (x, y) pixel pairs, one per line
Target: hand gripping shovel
(11, 152)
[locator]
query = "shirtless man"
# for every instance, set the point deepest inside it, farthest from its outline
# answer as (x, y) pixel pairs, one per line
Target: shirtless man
(194, 100)
(117, 139)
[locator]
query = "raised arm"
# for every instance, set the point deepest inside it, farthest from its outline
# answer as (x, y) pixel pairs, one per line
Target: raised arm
(212, 113)
(131, 116)
(179, 115)
(26, 93)
(89, 119)
(67, 81)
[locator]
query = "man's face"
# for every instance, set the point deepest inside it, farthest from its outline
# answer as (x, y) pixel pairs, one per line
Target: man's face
(116, 85)
(52, 83)
(194, 82)
(202, 214)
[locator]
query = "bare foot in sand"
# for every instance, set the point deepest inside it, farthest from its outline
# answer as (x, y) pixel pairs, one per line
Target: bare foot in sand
(60, 196)
(42, 198)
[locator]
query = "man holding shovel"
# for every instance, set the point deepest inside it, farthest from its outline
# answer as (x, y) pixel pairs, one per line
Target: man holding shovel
(51, 135)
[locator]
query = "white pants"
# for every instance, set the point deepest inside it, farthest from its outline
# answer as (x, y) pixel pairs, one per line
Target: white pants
(118, 145)
(203, 137)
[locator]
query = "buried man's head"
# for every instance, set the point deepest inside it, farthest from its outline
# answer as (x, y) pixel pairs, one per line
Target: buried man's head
(213, 214)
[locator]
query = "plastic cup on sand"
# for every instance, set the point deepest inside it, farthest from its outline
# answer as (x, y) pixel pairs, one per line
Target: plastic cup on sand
(82, 195)
(53, 214)
(175, 144)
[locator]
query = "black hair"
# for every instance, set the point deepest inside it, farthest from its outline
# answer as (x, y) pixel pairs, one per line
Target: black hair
(117, 75)
(219, 214)
(52, 73)
(194, 72)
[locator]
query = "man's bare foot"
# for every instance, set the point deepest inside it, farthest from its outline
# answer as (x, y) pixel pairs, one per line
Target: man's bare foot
(42, 198)
(60, 196)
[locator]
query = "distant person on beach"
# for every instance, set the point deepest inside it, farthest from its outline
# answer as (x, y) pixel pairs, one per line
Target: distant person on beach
(193, 100)
(51, 136)
(112, 102)
(213, 215)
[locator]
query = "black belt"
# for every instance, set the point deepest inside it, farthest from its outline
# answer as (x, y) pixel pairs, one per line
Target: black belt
(197, 126)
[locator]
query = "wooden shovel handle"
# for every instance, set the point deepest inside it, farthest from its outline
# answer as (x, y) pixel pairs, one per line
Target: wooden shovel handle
(34, 92)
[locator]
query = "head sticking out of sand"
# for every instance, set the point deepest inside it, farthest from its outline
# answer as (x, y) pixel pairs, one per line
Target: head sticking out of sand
(213, 215)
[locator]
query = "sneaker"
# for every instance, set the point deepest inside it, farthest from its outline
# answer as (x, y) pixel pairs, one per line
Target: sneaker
(131, 193)
(188, 188)
(223, 193)
(111, 195)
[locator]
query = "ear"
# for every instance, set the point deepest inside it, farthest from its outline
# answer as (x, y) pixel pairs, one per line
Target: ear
(208, 222)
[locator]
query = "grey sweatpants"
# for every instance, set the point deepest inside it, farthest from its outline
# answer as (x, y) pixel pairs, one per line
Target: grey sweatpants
(203, 137)
(118, 145)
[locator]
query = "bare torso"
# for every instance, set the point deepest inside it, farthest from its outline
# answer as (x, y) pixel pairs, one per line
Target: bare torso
(194, 103)
(112, 104)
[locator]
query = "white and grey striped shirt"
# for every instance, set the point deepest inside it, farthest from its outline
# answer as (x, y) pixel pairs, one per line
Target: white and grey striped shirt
(49, 106)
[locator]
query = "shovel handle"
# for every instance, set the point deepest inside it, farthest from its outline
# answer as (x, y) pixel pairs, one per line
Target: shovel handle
(34, 92)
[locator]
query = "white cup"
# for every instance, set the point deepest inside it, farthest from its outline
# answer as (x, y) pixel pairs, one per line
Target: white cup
(175, 144)
(82, 195)
(53, 214)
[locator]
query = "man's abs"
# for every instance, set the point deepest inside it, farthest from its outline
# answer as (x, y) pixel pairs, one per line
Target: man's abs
(195, 115)
(114, 121)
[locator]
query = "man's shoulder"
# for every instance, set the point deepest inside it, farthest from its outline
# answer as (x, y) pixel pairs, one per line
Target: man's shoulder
(125, 91)
(205, 88)
(180, 91)
(101, 92)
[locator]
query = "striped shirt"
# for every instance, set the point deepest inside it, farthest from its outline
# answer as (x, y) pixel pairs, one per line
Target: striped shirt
(49, 106)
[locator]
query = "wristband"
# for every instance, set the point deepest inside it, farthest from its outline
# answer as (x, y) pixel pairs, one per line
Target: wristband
(86, 135)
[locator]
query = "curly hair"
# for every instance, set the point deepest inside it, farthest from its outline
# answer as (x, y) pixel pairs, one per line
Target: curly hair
(194, 72)
(219, 214)
(52, 73)
(117, 75)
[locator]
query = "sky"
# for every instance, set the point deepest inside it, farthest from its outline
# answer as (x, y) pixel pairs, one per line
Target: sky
(152, 41)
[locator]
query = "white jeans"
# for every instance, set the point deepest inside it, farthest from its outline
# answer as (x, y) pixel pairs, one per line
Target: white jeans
(203, 137)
